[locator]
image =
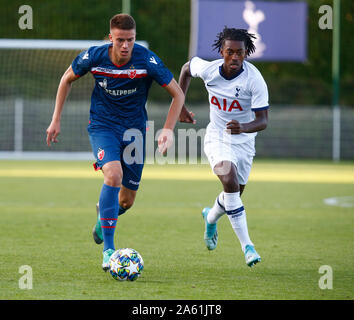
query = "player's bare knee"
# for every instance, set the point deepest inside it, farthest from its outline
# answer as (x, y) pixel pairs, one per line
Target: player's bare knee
(113, 178)
(223, 168)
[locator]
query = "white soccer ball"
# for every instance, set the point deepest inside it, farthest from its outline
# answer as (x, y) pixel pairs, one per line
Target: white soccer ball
(126, 264)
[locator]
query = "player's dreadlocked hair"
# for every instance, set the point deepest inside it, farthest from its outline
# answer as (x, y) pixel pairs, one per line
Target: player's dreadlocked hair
(237, 35)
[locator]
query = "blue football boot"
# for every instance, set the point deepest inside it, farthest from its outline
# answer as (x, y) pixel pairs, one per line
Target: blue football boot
(106, 256)
(211, 233)
(251, 255)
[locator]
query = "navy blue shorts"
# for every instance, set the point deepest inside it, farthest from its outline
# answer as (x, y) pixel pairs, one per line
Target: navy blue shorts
(119, 144)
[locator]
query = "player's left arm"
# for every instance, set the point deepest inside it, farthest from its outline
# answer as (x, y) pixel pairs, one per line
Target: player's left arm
(260, 105)
(258, 124)
(165, 139)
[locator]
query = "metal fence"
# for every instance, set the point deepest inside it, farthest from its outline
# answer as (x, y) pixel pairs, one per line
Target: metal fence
(292, 132)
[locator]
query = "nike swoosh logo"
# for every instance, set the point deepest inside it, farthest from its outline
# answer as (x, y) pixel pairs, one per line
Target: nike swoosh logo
(211, 85)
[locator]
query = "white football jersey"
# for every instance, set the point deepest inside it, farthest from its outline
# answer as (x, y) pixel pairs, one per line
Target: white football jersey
(233, 99)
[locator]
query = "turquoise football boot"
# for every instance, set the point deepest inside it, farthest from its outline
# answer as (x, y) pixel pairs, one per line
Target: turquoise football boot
(97, 230)
(106, 255)
(251, 255)
(211, 233)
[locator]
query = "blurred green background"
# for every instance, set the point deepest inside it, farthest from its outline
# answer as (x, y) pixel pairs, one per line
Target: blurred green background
(301, 119)
(165, 25)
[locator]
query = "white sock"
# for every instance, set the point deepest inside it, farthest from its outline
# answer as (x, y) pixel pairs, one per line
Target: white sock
(218, 210)
(237, 216)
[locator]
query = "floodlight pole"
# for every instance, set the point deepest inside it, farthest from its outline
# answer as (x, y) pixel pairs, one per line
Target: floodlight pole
(126, 6)
(336, 79)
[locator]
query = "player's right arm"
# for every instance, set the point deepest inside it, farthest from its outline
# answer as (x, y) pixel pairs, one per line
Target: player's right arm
(62, 93)
(196, 67)
(184, 82)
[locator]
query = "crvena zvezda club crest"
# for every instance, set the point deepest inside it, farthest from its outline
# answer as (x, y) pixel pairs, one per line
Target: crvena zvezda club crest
(100, 154)
(131, 73)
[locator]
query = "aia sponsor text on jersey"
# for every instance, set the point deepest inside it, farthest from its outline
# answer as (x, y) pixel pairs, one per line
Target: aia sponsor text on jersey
(223, 104)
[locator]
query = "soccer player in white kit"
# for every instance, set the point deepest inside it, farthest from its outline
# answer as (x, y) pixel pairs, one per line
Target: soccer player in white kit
(238, 98)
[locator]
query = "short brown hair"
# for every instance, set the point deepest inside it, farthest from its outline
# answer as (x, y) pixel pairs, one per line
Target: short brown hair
(122, 21)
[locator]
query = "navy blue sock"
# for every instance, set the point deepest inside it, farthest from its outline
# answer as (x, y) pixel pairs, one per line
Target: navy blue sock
(109, 214)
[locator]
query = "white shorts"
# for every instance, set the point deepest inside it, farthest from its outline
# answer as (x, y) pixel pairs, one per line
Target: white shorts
(241, 155)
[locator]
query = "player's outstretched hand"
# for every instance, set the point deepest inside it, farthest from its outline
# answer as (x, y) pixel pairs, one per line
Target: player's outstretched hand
(234, 127)
(187, 116)
(165, 140)
(53, 132)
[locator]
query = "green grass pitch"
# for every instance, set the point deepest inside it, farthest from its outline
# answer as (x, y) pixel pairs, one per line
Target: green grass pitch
(47, 210)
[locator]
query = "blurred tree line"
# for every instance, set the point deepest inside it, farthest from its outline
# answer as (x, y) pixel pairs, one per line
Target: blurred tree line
(165, 25)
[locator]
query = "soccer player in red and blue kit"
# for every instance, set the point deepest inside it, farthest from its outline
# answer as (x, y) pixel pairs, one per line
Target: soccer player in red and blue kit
(123, 72)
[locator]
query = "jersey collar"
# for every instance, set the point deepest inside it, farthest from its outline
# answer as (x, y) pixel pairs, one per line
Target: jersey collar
(233, 77)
